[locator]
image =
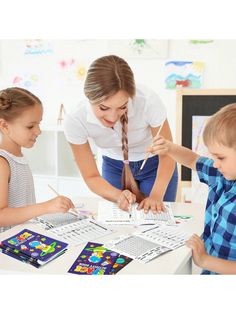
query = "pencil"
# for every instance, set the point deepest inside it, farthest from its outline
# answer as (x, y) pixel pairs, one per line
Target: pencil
(148, 154)
(71, 209)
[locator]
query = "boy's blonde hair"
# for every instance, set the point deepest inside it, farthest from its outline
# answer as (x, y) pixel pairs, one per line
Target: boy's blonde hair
(221, 127)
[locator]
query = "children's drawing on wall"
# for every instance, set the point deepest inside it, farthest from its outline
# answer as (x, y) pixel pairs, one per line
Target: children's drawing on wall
(201, 41)
(199, 190)
(71, 71)
(143, 48)
(38, 47)
(185, 74)
(29, 81)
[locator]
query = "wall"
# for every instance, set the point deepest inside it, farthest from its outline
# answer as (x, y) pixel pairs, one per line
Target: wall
(37, 65)
(219, 57)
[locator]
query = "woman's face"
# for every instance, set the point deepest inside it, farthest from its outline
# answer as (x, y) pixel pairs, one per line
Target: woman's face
(110, 110)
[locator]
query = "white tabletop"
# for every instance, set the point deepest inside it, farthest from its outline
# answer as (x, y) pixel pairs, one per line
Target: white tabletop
(168, 263)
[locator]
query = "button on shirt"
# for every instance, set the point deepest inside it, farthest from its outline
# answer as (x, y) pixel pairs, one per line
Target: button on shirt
(220, 216)
(144, 110)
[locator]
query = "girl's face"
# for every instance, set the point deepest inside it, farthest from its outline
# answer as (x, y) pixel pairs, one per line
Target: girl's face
(224, 160)
(24, 130)
(110, 110)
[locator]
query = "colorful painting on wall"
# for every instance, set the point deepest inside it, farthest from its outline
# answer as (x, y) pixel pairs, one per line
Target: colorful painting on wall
(71, 70)
(38, 47)
(201, 41)
(184, 74)
(139, 48)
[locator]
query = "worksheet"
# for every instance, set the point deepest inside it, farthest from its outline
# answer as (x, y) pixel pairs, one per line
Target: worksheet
(110, 213)
(146, 245)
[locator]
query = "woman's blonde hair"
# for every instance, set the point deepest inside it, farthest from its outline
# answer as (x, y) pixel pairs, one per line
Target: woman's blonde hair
(221, 127)
(107, 76)
(14, 100)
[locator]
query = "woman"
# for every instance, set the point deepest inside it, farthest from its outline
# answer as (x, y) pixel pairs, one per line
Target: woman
(122, 120)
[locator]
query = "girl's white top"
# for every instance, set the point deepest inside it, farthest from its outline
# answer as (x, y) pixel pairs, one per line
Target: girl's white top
(21, 185)
(145, 110)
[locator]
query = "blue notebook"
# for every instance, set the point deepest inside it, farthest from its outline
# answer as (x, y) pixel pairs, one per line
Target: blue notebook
(32, 247)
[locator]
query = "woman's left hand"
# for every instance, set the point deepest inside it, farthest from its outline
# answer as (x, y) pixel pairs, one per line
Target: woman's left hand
(152, 204)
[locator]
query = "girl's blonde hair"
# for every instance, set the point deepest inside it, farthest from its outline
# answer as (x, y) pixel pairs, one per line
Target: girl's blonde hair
(221, 127)
(14, 100)
(107, 76)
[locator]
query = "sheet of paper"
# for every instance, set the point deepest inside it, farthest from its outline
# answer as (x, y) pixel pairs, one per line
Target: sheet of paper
(81, 231)
(110, 213)
(146, 245)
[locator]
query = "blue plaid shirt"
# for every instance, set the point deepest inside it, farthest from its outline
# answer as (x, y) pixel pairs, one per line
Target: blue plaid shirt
(220, 216)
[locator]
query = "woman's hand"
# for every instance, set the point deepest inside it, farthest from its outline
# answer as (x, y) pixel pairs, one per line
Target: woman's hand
(126, 199)
(198, 250)
(150, 203)
(160, 146)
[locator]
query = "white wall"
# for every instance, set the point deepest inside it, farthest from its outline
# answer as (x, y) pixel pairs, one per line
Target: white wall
(219, 58)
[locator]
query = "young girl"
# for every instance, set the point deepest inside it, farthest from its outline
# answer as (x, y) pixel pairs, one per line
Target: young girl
(121, 119)
(20, 116)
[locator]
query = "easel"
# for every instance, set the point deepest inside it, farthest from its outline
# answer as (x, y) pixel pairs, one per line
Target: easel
(61, 114)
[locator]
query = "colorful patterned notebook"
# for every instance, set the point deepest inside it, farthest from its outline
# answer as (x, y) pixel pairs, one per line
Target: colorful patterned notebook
(32, 247)
(97, 260)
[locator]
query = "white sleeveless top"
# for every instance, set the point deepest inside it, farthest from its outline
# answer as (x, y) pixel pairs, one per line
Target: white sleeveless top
(21, 185)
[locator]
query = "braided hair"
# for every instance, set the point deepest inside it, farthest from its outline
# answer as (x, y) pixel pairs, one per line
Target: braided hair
(107, 76)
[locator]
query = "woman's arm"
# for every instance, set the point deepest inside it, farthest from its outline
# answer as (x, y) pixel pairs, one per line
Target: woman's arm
(89, 171)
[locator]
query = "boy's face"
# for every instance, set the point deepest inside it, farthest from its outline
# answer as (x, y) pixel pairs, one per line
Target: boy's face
(224, 160)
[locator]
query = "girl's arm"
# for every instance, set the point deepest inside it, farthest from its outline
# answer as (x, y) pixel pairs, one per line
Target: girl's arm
(89, 171)
(12, 216)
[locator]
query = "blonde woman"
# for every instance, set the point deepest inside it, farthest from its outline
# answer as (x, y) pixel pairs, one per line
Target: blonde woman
(122, 120)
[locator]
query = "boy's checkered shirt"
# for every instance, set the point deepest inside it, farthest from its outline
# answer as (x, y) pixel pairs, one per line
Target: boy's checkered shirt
(220, 216)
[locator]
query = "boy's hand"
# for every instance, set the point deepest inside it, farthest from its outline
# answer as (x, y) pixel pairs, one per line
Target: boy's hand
(60, 204)
(152, 204)
(126, 199)
(160, 146)
(198, 250)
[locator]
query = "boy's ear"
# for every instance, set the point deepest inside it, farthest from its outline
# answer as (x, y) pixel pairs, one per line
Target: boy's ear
(3, 126)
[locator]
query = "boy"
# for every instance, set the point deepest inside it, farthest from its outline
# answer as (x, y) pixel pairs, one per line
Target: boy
(218, 255)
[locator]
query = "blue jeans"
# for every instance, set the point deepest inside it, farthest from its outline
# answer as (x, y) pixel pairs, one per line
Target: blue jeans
(112, 170)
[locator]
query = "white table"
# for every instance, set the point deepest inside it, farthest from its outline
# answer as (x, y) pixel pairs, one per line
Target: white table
(178, 261)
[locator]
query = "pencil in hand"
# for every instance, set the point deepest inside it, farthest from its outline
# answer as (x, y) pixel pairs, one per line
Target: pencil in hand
(148, 154)
(54, 191)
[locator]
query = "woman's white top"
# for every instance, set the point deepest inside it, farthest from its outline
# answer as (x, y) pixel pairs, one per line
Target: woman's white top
(145, 110)
(21, 185)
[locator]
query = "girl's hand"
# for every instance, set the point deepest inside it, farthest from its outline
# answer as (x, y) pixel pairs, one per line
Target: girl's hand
(155, 205)
(160, 146)
(60, 204)
(126, 199)
(198, 250)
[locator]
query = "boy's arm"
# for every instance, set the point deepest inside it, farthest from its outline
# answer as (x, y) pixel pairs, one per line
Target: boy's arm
(219, 265)
(181, 154)
(205, 261)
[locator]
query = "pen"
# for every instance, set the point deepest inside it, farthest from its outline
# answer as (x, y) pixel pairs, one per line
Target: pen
(148, 154)
(50, 187)
(182, 216)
